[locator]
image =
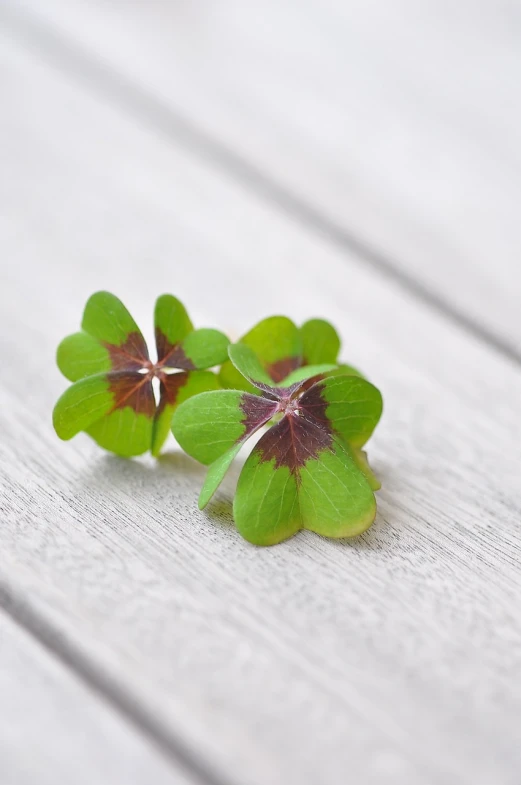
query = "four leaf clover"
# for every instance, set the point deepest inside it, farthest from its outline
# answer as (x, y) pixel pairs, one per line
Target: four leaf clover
(112, 398)
(307, 470)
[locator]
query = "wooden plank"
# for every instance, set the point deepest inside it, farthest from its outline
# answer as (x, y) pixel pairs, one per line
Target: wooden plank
(391, 658)
(53, 729)
(393, 127)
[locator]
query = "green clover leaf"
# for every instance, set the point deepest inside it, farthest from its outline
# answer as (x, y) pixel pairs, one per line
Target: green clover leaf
(308, 470)
(282, 348)
(112, 398)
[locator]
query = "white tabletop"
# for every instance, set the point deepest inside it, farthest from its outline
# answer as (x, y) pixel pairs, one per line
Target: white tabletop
(357, 161)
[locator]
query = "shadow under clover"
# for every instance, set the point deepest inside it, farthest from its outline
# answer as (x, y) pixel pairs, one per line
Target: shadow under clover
(174, 479)
(159, 483)
(175, 462)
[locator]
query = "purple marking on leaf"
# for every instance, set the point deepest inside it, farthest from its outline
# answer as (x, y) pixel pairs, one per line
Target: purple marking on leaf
(257, 411)
(297, 438)
(307, 383)
(313, 404)
(282, 368)
(132, 389)
(171, 355)
(163, 345)
(130, 355)
(169, 388)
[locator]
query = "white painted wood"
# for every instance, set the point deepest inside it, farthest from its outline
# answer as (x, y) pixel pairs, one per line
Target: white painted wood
(54, 730)
(393, 658)
(398, 121)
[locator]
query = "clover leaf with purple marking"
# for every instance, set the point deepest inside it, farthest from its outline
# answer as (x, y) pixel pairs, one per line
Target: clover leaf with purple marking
(112, 398)
(308, 470)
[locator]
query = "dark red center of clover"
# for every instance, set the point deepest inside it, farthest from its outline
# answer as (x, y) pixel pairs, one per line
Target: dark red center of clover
(303, 432)
(130, 380)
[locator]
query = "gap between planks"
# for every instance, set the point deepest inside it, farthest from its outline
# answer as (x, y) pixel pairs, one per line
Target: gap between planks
(59, 645)
(72, 734)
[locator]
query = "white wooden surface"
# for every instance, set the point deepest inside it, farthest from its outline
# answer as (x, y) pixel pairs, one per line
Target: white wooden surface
(55, 730)
(392, 126)
(390, 659)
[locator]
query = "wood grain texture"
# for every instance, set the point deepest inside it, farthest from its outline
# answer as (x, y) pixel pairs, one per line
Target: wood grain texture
(54, 730)
(389, 659)
(392, 125)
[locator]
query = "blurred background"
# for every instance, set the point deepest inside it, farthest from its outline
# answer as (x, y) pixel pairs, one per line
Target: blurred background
(392, 128)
